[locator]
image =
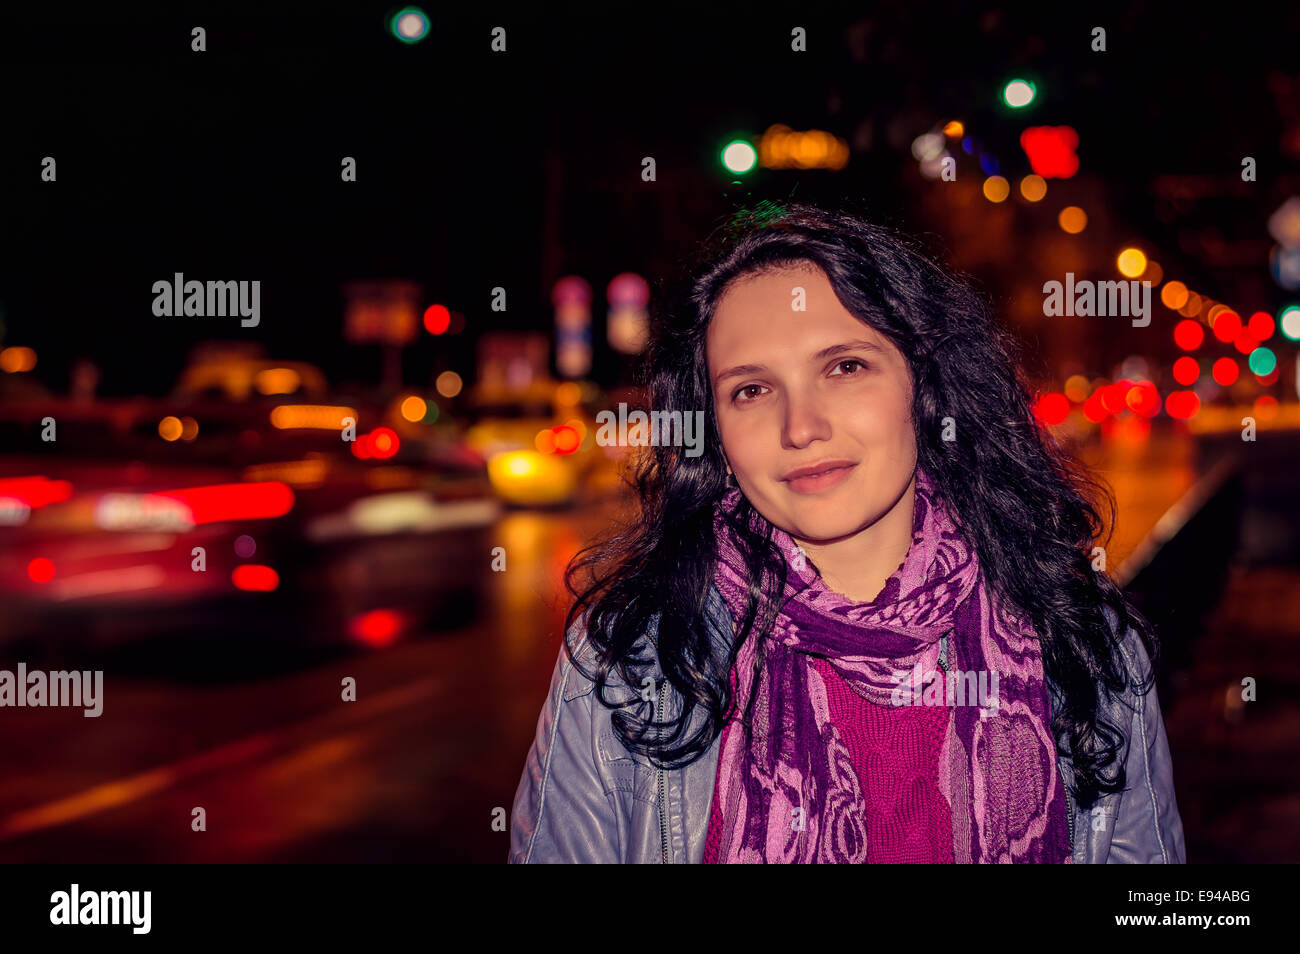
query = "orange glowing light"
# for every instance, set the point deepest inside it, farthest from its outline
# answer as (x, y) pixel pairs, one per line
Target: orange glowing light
(566, 439)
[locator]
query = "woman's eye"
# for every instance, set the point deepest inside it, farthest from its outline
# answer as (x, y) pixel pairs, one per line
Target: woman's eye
(749, 387)
(850, 361)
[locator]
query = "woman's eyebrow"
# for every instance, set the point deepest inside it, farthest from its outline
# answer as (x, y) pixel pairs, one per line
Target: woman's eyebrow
(743, 369)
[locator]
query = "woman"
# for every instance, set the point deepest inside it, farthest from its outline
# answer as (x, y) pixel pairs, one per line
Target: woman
(863, 625)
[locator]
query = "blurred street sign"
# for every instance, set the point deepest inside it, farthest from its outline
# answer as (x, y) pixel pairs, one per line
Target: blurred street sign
(386, 312)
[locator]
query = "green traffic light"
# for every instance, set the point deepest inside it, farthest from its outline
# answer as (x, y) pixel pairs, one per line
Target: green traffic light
(739, 156)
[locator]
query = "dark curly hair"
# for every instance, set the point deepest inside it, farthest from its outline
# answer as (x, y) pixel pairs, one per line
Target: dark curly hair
(1026, 507)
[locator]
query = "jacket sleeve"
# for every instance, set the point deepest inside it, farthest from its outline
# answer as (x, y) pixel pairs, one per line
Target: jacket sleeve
(561, 812)
(1148, 828)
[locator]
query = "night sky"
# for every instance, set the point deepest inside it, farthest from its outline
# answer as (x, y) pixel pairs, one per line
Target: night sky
(478, 169)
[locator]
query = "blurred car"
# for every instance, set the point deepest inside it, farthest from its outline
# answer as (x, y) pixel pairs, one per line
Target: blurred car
(237, 371)
(304, 538)
(540, 443)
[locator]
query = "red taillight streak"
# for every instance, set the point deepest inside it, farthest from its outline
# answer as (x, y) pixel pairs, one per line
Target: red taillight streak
(224, 502)
(35, 491)
(255, 577)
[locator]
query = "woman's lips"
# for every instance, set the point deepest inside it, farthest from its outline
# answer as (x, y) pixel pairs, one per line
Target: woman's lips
(819, 482)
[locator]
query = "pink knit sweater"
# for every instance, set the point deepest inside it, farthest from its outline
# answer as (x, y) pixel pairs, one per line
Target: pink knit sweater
(895, 752)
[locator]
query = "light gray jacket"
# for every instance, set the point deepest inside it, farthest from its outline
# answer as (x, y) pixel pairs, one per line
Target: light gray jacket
(582, 797)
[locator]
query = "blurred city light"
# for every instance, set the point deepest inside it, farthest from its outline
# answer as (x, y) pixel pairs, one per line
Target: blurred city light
(170, 428)
(255, 578)
(1052, 409)
(1186, 371)
(448, 384)
(319, 416)
(1018, 93)
(410, 25)
(383, 442)
(1262, 361)
(220, 503)
(627, 324)
(927, 146)
(1077, 388)
(1182, 405)
(1072, 219)
(568, 393)
(996, 189)
(1132, 262)
(1289, 322)
(1033, 187)
(277, 381)
(784, 148)
(739, 156)
(17, 359)
(1225, 371)
(567, 439)
(1261, 326)
(413, 408)
(1051, 150)
(437, 319)
(1143, 399)
(1226, 324)
(377, 628)
(1174, 296)
(35, 492)
(40, 570)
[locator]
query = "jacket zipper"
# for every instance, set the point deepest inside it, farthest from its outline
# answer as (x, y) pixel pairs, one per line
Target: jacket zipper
(663, 785)
(1069, 817)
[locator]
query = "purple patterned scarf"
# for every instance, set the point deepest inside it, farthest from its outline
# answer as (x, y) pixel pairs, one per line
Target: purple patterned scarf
(793, 795)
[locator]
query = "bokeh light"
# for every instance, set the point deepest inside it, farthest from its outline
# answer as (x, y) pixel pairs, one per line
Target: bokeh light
(1072, 219)
(1262, 361)
(1131, 262)
(739, 156)
(410, 25)
(1261, 326)
(1226, 324)
(1018, 93)
(1186, 371)
(1052, 409)
(1077, 388)
(996, 189)
(1189, 334)
(437, 319)
(1173, 295)
(1225, 371)
(170, 428)
(1033, 187)
(1289, 322)
(414, 408)
(448, 384)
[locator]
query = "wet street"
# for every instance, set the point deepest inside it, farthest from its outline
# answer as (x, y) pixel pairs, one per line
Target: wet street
(285, 770)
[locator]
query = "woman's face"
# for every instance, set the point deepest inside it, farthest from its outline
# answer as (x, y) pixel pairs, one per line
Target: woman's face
(796, 406)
